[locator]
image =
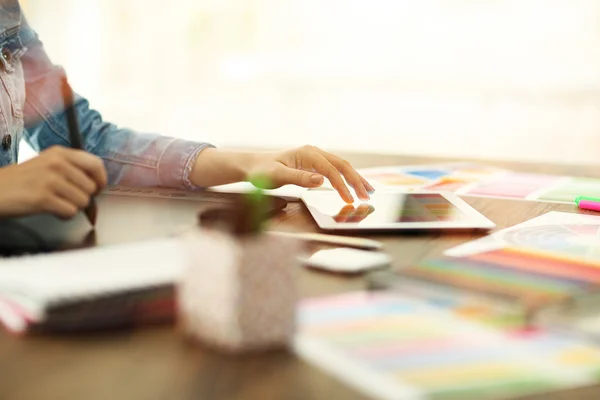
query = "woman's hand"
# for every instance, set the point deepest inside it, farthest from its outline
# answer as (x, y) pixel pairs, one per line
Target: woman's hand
(304, 166)
(59, 181)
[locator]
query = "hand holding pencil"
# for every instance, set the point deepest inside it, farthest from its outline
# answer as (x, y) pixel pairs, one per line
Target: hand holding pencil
(75, 138)
(61, 180)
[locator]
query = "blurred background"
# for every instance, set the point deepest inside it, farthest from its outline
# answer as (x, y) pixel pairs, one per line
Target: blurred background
(490, 79)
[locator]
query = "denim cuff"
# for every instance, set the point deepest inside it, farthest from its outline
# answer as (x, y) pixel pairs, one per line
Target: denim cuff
(176, 163)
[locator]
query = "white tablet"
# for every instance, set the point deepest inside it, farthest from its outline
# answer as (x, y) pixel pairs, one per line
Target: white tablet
(390, 211)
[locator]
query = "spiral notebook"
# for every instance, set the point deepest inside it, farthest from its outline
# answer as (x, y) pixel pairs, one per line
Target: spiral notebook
(91, 288)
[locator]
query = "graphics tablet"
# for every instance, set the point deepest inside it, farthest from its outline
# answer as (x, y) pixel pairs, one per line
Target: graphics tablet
(125, 215)
(418, 210)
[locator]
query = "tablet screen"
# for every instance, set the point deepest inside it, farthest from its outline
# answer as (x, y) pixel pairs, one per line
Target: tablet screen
(393, 208)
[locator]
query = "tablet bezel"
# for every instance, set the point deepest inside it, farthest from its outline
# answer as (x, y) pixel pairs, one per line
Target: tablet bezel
(475, 220)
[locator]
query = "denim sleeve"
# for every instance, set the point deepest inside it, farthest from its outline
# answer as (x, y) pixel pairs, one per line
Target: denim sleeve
(130, 158)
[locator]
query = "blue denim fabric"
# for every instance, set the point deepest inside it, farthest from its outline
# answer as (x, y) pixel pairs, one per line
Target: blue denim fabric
(31, 107)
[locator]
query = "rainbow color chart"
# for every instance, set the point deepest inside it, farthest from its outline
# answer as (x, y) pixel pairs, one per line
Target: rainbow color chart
(530, 279)
(568, 235)
(518, 272)
(482, 181)
(445, 330)
(537, 265)
(397, 347)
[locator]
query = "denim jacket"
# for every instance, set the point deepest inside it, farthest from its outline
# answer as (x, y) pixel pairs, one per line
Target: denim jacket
(31, 107)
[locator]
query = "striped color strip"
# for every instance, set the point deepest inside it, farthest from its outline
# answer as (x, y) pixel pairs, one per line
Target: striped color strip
(540, 264)
(505, 276)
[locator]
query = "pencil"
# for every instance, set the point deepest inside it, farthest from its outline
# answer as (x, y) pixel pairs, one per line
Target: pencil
(348, 241)
(75, 139)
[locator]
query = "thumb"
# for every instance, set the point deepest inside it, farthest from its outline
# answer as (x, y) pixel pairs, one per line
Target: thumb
(286, 176)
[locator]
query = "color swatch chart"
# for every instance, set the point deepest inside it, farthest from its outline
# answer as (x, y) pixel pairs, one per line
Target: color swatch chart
(398, 347)
(483, 181)
(568, 235)
(446, 177)
(531, 279)
(550, 257)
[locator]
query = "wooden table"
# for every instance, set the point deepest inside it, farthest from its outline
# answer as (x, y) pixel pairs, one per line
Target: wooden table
(155, 363)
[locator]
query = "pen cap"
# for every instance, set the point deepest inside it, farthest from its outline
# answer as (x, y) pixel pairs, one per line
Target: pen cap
(579, 199)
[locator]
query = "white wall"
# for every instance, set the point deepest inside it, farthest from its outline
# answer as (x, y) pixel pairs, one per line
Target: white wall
(507, 79)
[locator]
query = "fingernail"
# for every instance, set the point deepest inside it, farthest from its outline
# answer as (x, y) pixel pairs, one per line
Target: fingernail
(315, 178)
(371, 191)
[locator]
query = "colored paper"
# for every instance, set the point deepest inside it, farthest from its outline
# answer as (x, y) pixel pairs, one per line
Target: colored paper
(516, 186)
(448, 184)
(474, 170)
(552, 257)
(424, 176)
(421, 341)
(528, 279)
(394, 179)
(571, 189)
(473, 179)
(428, 173)
(575, 236)
(398, 347)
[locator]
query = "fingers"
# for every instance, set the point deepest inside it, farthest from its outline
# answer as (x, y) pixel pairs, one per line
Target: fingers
(313, 157)
(368, 186)
(362, 212)
(344, 213)
(320, 164)
(61, 207)
(71, 193)
(71, 178)
(81, 180)
(89, 164)
(352, 177)
(285, 175)
(350, 214)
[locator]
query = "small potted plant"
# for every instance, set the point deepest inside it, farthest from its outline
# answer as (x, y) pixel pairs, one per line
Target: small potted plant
(238, 292)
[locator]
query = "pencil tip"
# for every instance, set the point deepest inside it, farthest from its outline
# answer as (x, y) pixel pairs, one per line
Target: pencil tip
(92, 213)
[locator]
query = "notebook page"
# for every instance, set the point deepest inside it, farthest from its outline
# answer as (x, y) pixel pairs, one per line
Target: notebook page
(45, 279)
